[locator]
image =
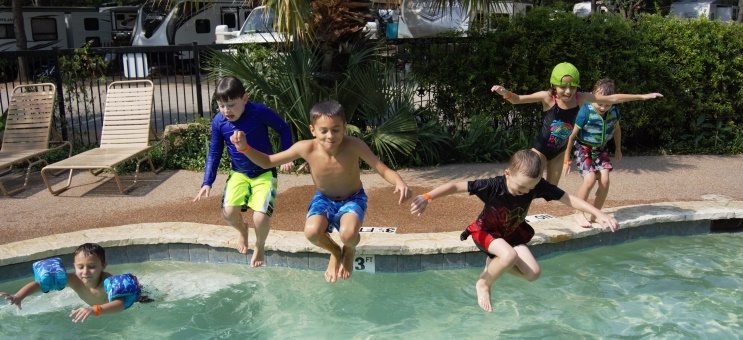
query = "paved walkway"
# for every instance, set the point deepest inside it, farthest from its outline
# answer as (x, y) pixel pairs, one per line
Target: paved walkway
(93, 202)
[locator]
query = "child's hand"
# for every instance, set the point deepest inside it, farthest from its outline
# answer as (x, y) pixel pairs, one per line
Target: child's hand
(12, 299)
(80, 314)
(404, 191)
(499, 90)
(238, 138)
(418, 206)
(651, 96)
(566, 168)
(288, 167)
(204, 192)
(607, 221)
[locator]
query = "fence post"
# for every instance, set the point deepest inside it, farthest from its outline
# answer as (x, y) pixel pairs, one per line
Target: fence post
(197, 60)
(60, 94)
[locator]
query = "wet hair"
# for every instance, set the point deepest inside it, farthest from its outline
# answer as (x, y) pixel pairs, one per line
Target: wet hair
(229, 88)
(88, 249)
(605, 86)
(526, 162)
(329, 108)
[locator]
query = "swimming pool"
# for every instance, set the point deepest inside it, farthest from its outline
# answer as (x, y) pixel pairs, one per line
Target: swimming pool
(670, 287)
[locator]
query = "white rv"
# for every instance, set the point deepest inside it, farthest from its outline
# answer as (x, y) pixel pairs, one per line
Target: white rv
(62, 27)
(709, 9)
(583, 9)
(420, 18)
(163, 23)
(122, 23)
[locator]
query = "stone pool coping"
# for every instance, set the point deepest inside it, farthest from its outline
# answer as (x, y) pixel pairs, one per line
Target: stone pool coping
(211, 243)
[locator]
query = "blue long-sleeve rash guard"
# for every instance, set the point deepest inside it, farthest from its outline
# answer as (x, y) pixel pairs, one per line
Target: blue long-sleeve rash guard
(255, 121)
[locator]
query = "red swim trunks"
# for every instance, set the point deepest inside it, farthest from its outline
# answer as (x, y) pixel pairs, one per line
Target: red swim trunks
(521, 235)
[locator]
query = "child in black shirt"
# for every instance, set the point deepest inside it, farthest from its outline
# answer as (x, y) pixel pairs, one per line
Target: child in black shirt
(500, 231)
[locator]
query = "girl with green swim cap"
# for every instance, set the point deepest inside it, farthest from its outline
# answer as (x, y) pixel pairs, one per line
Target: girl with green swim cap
(560, 105)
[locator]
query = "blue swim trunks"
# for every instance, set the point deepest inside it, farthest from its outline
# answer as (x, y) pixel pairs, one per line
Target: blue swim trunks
(334, 210)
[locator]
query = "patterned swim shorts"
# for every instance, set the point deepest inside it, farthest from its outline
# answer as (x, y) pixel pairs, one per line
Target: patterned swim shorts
(592, 159)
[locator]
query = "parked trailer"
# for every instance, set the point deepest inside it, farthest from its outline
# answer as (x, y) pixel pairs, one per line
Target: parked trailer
(122, 23)
(186, 21)
(62, 27)
(712, 10)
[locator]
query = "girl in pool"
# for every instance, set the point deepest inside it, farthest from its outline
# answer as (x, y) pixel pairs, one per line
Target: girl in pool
(103, 292)
(501, 231)
(560, 105)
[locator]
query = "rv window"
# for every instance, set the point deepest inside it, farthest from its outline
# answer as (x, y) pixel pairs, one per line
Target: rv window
(43, 29)
(202, 26)
(6, 31)
(90, 24)
(229, 19)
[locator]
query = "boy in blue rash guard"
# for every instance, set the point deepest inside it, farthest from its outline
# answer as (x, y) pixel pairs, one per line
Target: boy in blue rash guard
(90, 282)
(248, 185)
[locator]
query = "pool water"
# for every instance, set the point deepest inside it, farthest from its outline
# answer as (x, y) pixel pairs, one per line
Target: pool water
(673, 287)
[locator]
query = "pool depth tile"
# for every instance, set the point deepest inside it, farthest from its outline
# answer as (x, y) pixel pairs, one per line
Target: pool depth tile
(158, 252)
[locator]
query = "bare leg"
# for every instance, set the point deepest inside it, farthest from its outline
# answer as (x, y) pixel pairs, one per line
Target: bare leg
(583, 191)
(603, 189)
(554, 169)
(262, 227)
(350, 225)
(315, 230)
(526, 266)
(234, 218)
(505, 258)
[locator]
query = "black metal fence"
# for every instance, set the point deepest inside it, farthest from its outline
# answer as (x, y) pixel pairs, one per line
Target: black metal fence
(182, 90)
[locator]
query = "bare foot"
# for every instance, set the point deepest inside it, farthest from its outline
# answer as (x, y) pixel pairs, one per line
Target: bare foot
(582, 220)
(242, 244)
(344, 272)
(483, 295)
(258, 258)
(332, 271)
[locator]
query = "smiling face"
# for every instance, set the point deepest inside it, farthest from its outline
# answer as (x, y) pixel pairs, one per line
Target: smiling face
(88, 268)
(329, 131)
(519, 184)
(232, 109)
(565, 92)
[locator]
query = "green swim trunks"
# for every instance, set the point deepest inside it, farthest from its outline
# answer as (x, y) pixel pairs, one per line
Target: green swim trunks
(257, 193)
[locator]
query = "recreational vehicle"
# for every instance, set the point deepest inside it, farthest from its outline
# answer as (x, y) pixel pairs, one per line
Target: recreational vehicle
(162, 23)
(50, 27)
(583, 9)
(422, 18)
(122, 23)
(709, 9)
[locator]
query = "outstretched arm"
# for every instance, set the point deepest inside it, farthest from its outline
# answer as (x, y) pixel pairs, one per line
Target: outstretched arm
(388, 174)
(602, 218)
(541, 96)
(420, 202)
(17, 298)
(618, 98)
(80, 314)
(261, 159)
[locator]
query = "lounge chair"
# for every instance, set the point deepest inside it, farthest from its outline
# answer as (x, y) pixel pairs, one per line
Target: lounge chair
(27, 130)
(124, 135)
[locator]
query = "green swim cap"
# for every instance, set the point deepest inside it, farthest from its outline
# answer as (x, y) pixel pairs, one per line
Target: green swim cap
(562, 70)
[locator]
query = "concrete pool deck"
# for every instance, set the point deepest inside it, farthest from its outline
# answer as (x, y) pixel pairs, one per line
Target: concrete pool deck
(183, 241)
(688, 195)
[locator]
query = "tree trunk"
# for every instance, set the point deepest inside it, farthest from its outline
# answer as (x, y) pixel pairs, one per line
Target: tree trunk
(594, 7)
(20, 35)
(740, 11)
